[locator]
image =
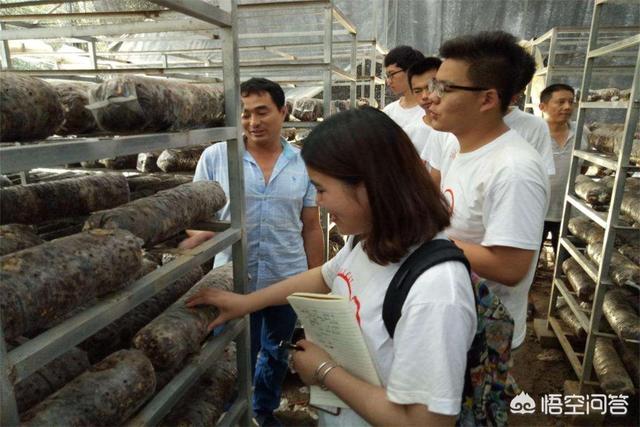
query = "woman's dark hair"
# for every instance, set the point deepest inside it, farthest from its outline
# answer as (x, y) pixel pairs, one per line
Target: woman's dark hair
(365, 145)
(259, 85)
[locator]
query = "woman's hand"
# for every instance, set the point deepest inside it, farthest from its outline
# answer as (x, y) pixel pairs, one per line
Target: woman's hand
(230, 305)
(307, 360)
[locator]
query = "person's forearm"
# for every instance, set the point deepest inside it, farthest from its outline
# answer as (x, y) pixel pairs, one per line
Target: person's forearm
(507, 266)
(276, 294)
(313, 246)
(371, 403)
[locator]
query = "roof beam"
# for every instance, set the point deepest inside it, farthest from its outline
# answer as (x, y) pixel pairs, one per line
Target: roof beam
(88, 15)
(107, 29)
(199, 10)
(344, 21)
(35, 3)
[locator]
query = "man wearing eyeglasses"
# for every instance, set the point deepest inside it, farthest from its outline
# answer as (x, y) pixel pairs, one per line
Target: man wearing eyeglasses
(428, 141)
(405, 111)
(495, 182)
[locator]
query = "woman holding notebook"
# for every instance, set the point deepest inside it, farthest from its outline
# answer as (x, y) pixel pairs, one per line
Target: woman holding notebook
(372, 182)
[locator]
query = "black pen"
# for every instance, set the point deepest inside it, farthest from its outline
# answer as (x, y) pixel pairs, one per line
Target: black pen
(288, 345)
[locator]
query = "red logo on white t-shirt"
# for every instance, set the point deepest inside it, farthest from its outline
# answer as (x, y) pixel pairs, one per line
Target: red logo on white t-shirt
(448, 195)
(347, 279)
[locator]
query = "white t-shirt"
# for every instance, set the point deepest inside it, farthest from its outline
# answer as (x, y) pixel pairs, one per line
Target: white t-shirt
(427, 140)
(404, 116)
(433, 150)
(425, 361)
(535, 131)
(499, 195)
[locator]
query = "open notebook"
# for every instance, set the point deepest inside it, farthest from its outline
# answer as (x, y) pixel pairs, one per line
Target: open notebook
(330, 322)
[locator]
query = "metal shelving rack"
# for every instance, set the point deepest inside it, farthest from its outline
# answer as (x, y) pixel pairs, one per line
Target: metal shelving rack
(559, 42)
(24, 360)
(375, 56)
(590, 321)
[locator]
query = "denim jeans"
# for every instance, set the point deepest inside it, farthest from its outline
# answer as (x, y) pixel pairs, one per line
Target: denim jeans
(269, 363)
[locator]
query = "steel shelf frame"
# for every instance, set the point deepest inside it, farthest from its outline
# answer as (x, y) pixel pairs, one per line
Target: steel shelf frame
(180, 69)
(576, 39)
(29, 357)
(328, 72)
(608, 221)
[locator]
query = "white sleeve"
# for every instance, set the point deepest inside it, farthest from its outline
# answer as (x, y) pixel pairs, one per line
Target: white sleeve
(432, 151)
(437, 147)
(545, 150)
(331, 267)
(431, 342)
(514, 211)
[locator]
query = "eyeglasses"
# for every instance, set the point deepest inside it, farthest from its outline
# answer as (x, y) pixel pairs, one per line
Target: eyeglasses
(439, 87)
(389, 76)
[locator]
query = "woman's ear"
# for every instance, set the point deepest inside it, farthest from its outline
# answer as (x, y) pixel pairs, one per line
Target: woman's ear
(361, 194)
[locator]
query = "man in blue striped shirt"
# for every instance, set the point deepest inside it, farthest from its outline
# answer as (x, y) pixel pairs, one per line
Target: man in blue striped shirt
(283, 228)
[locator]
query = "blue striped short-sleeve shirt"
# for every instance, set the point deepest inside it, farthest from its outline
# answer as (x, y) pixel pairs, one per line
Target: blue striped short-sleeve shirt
(275, 248)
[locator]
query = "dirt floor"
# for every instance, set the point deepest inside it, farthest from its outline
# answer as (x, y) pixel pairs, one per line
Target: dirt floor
(539, 371)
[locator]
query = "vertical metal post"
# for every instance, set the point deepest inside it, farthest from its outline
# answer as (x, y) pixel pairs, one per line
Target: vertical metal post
(354, 69)
(5, 52)
(8, 406)
(328, 54)
(385, 21)
(372, 72)
(165, 60)
(361, 84)
(551, 58)
(92, 55)
(235, 154)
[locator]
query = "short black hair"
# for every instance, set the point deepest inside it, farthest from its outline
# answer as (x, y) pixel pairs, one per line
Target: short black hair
(495, 59)
(422, 66)
(548, 91)
(403, 56)
(259, 85)
(527, 70)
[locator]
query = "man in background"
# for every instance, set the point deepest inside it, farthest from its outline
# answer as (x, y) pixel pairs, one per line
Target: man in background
(405, 111)
(556, 104)
(283, 229)
(428, 141)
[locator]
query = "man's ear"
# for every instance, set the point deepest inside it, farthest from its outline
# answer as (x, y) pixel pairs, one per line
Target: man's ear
(490, 100)
(543, 107)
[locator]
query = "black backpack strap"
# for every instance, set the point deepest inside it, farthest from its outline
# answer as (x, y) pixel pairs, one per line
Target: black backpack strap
(426, 256)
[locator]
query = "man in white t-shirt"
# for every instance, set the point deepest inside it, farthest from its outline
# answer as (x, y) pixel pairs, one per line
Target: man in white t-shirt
(495, 182)
(428, 141)
(405, 111)
(556, 104)
(533, 129)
